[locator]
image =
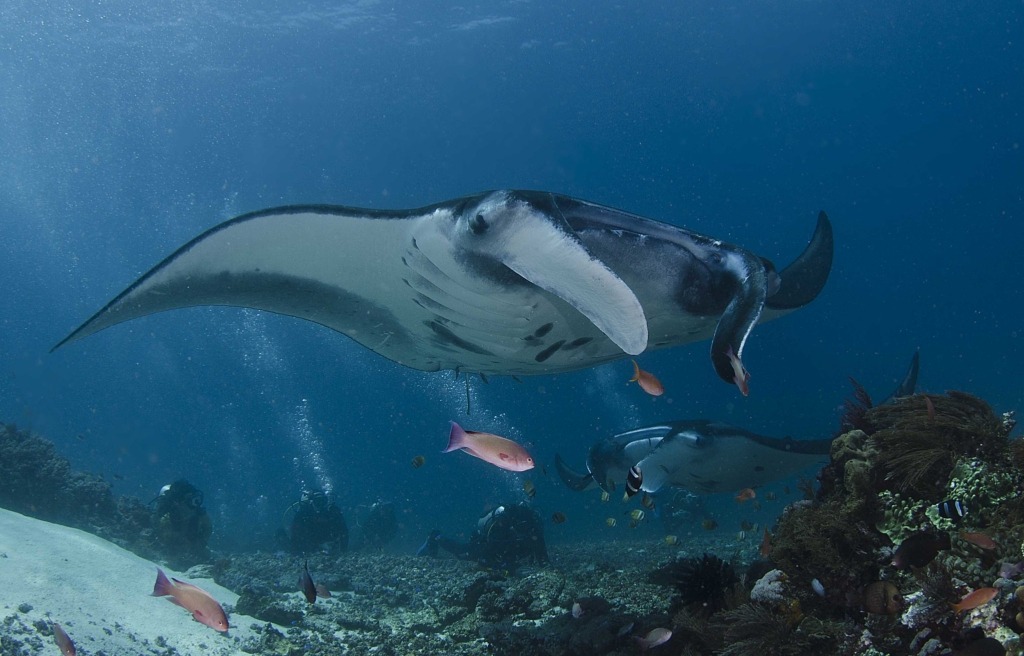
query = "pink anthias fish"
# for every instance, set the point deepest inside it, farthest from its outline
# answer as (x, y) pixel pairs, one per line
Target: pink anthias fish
(204, 608)
(653, 638)
(499, 451)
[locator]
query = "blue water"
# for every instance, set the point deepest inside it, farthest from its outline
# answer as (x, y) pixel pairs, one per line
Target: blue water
(129, 127)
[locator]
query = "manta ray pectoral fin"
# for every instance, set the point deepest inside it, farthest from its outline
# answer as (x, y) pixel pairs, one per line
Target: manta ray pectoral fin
(531, 243)
(805, 277)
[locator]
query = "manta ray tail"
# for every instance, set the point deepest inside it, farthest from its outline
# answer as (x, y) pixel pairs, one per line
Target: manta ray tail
(575, 481)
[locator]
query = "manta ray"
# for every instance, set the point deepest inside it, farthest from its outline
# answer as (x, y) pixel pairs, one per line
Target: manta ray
(502, 282)
(704, 457)
(707, 457)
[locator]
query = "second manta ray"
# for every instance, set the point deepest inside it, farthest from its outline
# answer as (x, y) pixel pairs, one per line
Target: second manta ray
(503, 282)
(704, 457)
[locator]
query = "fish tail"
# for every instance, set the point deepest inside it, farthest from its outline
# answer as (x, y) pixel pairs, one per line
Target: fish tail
(163, 585)
(636, 372)
(456, 438)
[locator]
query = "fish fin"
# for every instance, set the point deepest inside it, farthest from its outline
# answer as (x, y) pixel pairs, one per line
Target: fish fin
(805, 277)
(182, 584)
(163, 585)
(456, 438)
(504, 456)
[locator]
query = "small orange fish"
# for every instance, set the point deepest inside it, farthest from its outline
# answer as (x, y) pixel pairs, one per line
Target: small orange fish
(322, 591)
(975, 598)
(766, 544)
(746, 494)
(979, 540)
(647, 381)
(418, 461)
(931, 407)
(740, 375)
(64, 643)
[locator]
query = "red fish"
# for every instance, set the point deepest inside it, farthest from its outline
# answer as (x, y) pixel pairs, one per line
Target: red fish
(204, 608)
(64, 643)
(746, 494)
(740, 375)
(499, 451)
(647, 381)
(979, 540)
(976, 598)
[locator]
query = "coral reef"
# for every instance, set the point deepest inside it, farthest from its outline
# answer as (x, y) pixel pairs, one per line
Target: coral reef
(886, 483)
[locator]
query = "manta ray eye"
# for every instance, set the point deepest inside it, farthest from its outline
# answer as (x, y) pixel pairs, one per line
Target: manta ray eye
(478, 224)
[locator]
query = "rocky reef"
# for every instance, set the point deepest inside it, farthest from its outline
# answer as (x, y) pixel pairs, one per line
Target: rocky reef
(396, 604)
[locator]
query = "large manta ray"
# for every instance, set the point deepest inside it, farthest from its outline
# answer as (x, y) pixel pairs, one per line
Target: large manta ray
(701, 456)
(503, 282)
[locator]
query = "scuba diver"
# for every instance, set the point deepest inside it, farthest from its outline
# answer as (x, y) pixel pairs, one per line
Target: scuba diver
(181, 524)
(379, 525)
(504, 538)
(318, 523)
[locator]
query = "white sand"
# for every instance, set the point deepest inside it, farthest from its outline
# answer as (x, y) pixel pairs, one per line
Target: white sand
(92, 587)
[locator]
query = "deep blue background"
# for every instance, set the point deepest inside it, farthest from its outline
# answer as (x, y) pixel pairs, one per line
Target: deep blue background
(129, 127)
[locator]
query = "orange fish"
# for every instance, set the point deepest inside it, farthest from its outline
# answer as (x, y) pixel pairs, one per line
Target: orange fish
(746, 494)
(499, 451)
(976, 598)
(740, 375)
(766, 544)
(647, 381)
(63, 641)
(203, 607)
(979, 540)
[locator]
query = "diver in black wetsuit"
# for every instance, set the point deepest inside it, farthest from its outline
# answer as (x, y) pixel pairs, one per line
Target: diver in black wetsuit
(504, 538)
(318, 524)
